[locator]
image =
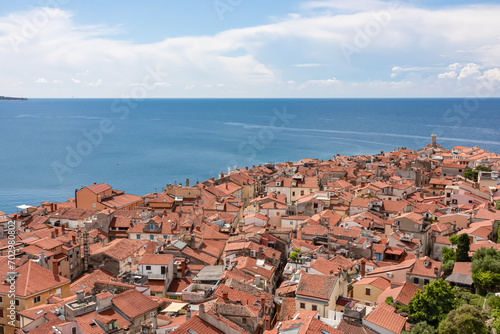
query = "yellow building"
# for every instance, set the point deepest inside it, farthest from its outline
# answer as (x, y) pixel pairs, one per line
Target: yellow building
(320, 292)
(24, 287)
(368, 289)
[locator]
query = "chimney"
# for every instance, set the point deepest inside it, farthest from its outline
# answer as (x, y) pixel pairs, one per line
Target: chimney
(95, 183)
(73, 237)
(187, 183)
(52, 207)
(246, 167)
(331, 272)
(183, 268)
(80, 297)
(363, 268)
(55, 267)
(63, 229)
(268, 323)
(201, 311)
(188, 314)
(56, 232)
(225, 295)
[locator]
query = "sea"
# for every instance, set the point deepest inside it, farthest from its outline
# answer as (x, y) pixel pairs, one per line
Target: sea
(50, 147)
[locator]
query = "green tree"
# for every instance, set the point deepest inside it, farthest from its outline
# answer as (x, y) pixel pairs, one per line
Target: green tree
(497, 205)
(494, 302)
(463, 248)
(454, 239)
(449, 258)
(423, 328)
(466, 319)
(389, 300)
(295, 255)
(471, 174)
(486, 259)
(484, 279)
(433, 304)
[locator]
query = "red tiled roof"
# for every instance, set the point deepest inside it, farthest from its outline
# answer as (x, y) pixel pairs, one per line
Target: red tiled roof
(87, 281)
(98, 188)
(32, 278)
(463, 268)
(196, 325)
(378, 282)
(384, 316)
(317, 286)
(156, 259)
(133, 303)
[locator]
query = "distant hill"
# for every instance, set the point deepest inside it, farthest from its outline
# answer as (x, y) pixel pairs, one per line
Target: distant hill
(7, 98)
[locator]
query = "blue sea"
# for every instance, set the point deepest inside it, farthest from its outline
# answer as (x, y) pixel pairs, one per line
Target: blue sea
(50, 147)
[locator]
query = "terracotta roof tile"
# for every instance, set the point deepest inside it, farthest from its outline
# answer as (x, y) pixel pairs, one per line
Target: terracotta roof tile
(384, 316)
(133, 303)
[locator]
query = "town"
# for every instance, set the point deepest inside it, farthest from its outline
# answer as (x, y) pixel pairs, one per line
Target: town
(393, 242)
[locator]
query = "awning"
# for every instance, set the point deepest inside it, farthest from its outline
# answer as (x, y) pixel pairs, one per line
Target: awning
(174, 307)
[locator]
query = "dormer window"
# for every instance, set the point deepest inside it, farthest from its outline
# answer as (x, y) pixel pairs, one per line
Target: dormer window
(278, 184)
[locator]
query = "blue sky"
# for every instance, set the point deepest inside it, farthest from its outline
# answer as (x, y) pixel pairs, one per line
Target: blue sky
(243, 48)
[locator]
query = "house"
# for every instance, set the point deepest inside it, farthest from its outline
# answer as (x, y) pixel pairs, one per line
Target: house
(135, 307)
(320, 292)
(368, 289)
(384, 320)
(33, 286)
(159, 268)
(461, 275)
(401, 295)
(102, 196)
(119, 256)
(72, 217)
(265, 274)
(304, 322)
(256, 219)
(396, 273)
(424, 271)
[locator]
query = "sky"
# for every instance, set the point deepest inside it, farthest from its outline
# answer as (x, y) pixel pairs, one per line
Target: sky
(249, 48)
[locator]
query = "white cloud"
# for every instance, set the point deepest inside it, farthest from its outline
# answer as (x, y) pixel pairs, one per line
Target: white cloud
(418, 40)
(492, 74)
(41, 81)
(447, 75)
(468, 71)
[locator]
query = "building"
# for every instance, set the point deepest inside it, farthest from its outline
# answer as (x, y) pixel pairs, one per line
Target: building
(33, 285)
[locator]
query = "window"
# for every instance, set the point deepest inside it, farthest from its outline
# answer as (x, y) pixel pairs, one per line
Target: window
(1, 300)
(137, 236)
(165, 237)
(415, 280)
(16, 302)
(148, 267)
(303, 305)
(58, 292)
(244, 321)
(152, 227)
(93, 205)
(293, 193)
(1, 312)
(151, 237)
(36, 299)
(368, 291)
(448, 194)
(426, 281)
(73, 330)
(314, 307)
